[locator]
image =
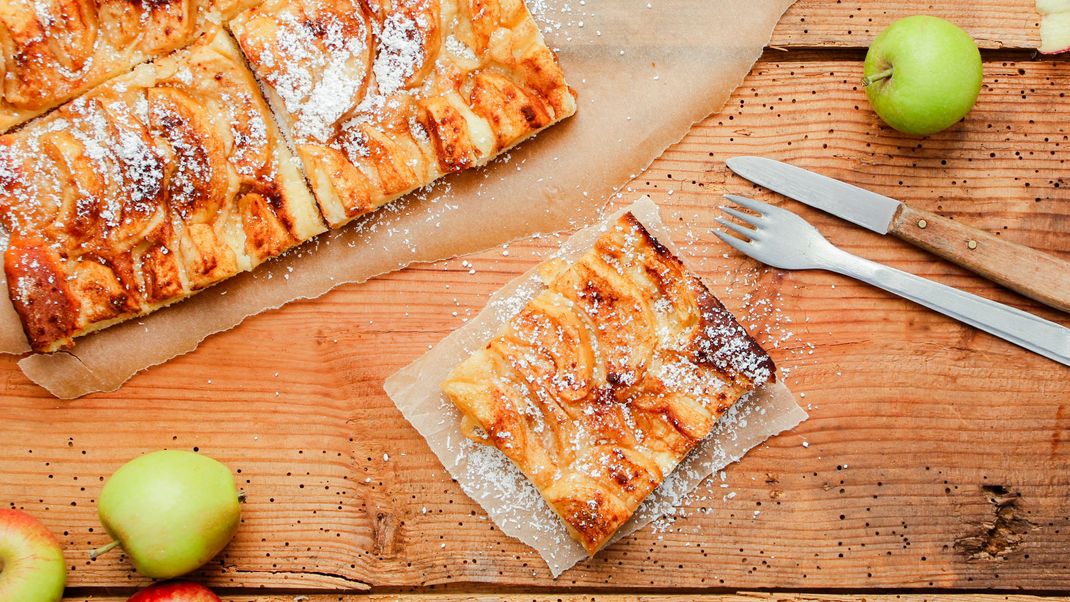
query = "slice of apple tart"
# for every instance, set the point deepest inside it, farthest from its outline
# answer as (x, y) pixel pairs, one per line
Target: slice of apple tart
(154, 186)
(604, 382)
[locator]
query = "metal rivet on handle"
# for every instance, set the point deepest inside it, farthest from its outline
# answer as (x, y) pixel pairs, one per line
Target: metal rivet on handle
(922, 223)
(971, 244)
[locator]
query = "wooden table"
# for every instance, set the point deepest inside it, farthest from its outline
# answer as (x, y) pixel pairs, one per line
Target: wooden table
(935, 459)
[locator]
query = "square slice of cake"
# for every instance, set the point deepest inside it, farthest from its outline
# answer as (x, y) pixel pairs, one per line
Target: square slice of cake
(53, 50)
(602, 384)
(148, 189)
(381, 98)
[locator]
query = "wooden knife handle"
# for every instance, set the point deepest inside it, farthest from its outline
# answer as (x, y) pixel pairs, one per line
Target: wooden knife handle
(1036, 275)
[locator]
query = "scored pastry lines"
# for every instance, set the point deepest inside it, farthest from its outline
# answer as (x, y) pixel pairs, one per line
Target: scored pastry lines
(378, 99)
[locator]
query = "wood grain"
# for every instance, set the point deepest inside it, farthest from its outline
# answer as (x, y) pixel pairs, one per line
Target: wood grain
(736, 597)
(995, 24)
(935, 456)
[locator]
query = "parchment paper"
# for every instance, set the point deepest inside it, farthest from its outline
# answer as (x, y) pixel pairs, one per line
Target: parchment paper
(645, 71)
(489, 478)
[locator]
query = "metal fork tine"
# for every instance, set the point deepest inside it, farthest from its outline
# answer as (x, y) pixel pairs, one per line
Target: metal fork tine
(737, 228)
(753, 220)
(753, 205)
(732, 241)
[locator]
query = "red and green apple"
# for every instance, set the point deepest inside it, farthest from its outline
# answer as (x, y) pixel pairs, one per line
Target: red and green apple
(1054, 25)
(31, 559)
(175, 591)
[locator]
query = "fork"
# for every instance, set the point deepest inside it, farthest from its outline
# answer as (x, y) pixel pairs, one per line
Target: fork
(782, 239)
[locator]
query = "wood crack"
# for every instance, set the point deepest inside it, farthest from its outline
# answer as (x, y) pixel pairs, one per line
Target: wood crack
(350, 583)
(996, 537)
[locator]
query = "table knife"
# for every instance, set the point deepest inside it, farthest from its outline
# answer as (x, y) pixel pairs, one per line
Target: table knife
(1037, 275)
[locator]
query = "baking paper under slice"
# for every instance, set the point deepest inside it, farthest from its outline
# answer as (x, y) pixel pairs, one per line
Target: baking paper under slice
(488, 477)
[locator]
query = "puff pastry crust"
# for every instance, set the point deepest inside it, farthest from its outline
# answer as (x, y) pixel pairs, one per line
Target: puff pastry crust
(156, 185)
(53, 50)
(607, 379)
(382, 97)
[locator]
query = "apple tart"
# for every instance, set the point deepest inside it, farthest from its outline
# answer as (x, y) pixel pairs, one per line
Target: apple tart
(152, 187)
(381, 98)
(602, 384)
(53, 50)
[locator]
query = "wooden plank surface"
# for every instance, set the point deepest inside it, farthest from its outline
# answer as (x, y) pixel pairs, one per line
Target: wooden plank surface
(995, 24)
(735, 597)
(935, 456)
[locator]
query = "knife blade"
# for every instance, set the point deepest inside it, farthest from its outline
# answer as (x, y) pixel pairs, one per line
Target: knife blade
(857, 205)
(1035, 274)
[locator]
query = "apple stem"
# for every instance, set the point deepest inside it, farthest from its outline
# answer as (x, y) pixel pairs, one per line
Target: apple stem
(103, 549)
(869, 80)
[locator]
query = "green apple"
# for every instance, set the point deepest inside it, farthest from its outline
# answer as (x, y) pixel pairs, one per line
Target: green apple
(31, 560)
(171, 511)
(922, 75)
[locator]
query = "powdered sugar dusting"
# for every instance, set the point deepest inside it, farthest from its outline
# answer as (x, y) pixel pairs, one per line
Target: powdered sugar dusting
(460, 50)
(400, 52)
(321, 66)
(320, 70)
